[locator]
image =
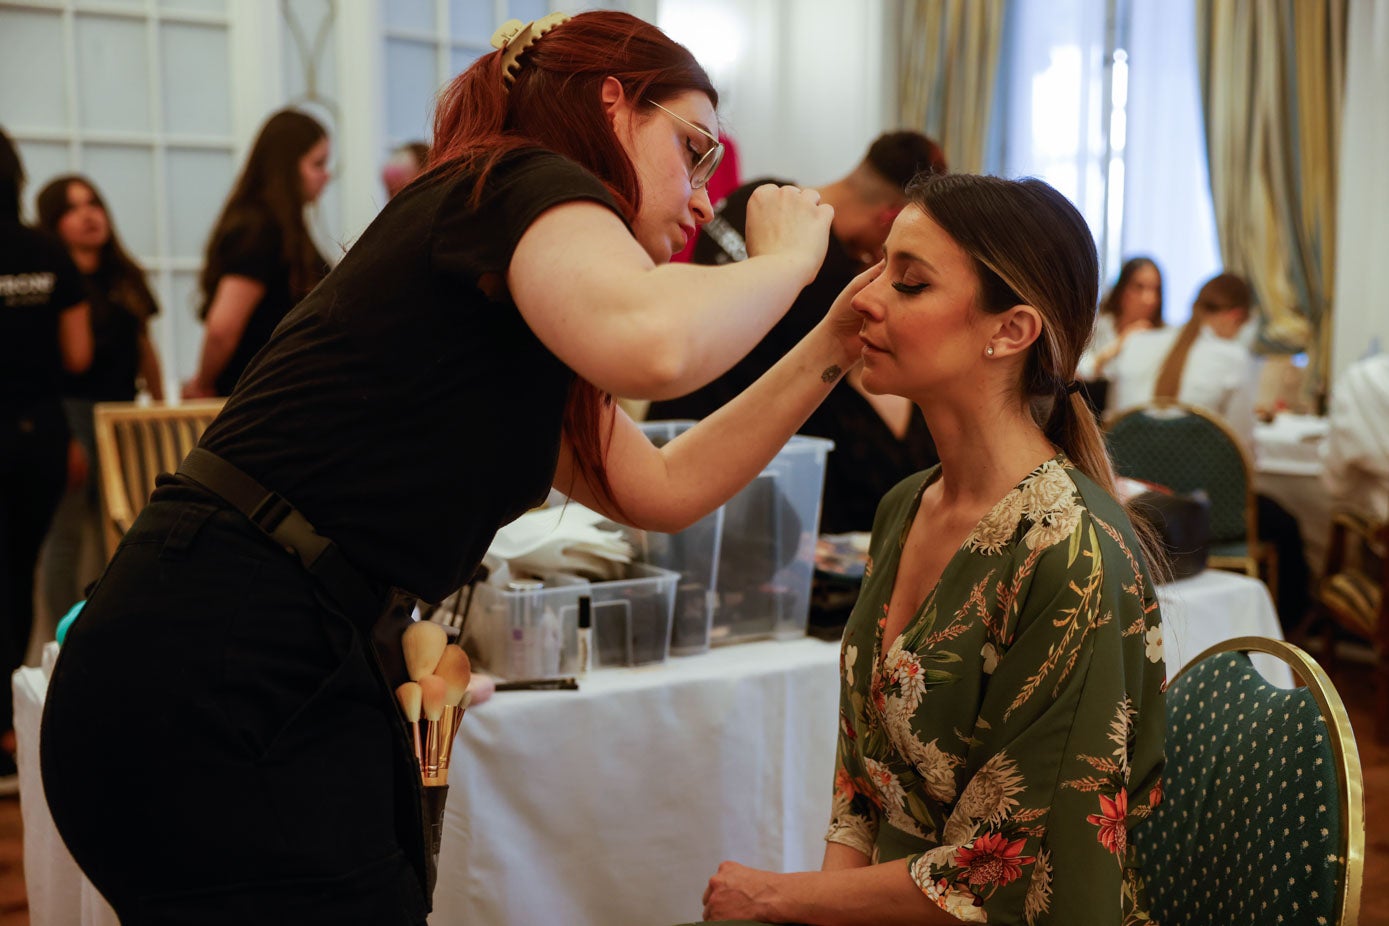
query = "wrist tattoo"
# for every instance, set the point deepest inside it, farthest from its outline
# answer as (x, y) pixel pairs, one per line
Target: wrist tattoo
(831, 373)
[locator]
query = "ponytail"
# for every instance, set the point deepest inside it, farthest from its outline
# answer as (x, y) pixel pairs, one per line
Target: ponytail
(1169, 380)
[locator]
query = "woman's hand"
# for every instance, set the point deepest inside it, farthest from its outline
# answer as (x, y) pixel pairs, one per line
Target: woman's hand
(789, 221)
(843, 322)
(737, 892)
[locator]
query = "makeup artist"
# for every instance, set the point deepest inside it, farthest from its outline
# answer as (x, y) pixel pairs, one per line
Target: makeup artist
(219, 742)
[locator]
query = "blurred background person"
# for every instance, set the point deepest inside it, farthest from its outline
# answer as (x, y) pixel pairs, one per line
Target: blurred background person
(72, 210)
(1356, 452)
(1133, 304)
(44, 332)
(879, 439)
(260, 258)
(405, 164)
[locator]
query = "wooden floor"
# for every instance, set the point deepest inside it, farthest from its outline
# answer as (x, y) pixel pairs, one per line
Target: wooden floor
(1352, 680)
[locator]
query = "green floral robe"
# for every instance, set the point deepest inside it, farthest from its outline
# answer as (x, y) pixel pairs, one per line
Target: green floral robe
(1013, 732)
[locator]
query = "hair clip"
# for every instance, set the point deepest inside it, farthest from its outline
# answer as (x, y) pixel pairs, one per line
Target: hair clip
(513, 37)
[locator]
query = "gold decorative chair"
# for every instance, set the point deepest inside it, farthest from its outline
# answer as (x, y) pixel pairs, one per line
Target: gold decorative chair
(1353, 594)
(1262, 818)
(134, 444)
(1189, 449)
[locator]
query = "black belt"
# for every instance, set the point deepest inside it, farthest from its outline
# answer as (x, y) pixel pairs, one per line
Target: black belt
(275, 517)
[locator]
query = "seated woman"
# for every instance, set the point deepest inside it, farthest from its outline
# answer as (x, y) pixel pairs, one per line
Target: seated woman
(1132, 305)
(1001, 714)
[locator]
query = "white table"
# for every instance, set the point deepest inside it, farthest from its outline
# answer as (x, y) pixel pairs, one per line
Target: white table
(1288, 469)
(614, 804)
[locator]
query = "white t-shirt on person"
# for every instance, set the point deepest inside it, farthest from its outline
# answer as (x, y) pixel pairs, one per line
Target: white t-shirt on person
(1356, 450)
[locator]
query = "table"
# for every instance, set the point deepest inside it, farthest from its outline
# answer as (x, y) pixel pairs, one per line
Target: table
(614, 804)
(1288, 469)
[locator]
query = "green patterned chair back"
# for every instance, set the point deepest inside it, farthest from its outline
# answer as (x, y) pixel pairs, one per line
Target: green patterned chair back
(1262, 815)
(1187, 450)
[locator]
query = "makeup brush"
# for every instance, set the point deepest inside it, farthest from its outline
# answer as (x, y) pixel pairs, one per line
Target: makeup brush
(423, 643)
(432, 692)
(409, 696)
(455, 670)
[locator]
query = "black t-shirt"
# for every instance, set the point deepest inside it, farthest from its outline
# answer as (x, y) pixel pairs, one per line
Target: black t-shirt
(251, 245)
(118, 318)
(868, 458)
(403, 411)
(37, 283)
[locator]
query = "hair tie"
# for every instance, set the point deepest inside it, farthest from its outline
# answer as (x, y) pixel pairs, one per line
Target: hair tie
(1073, 387)
(513, 37)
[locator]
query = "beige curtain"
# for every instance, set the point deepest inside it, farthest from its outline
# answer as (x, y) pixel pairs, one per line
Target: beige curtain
(948, 57)
(1272, 81)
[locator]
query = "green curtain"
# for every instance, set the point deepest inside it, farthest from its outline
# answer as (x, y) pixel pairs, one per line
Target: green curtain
(1272, 82)
(948, 57)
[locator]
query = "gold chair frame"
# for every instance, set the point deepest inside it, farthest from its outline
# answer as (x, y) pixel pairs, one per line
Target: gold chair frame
(1350, 779)
(1258, 551)
(1333, 611)
(134, 444)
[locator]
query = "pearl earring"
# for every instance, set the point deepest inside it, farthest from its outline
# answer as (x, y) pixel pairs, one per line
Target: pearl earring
(989, 350)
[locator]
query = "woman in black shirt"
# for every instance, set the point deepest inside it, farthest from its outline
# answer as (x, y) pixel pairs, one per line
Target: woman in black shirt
(74, 212)
(44, 332)
(260, 258)
(455, 365)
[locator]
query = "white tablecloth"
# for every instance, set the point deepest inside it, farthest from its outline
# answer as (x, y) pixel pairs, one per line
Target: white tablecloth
(1288, 469)
(614, 804)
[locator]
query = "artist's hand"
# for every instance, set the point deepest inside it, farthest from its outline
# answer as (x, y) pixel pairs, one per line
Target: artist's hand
(789, 221)
(843, 322)
(737, 892)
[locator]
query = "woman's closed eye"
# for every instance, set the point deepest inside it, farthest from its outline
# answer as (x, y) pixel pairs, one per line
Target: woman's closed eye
(695, 153)
(910, 289)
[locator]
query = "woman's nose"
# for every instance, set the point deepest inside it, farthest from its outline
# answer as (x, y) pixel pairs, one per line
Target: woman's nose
(866, 301)
(701, 206)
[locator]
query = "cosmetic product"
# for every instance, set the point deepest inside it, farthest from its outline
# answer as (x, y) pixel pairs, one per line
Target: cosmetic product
(539, 684)
(585, 635)
(523, 655)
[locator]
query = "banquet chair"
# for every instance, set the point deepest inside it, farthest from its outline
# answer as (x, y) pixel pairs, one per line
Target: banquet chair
(134, 444)
(1262, 817)
(1353, 595)
(1188, 449)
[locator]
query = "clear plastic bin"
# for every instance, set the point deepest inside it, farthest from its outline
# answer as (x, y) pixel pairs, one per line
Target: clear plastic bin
(534, 634)
(764, 552)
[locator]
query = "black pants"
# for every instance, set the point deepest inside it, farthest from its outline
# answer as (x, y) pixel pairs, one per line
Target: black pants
(218, 745)
(1280, 528)
(33, 472)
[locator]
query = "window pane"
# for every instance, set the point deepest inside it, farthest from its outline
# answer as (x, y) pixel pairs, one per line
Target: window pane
(195, 6)
(113, 86)
(473, 20)
(201, 106)
(198, 181)
(411, 82)
(527, 10)
(33, 81)
(119, 4)
(461, 58)
(125, 176)
(42, 162)
(414, 15)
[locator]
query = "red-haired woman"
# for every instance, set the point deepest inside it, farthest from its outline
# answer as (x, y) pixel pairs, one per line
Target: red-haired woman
(453, 367)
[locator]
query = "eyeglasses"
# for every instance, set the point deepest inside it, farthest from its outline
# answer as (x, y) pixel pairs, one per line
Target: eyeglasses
(708, 162)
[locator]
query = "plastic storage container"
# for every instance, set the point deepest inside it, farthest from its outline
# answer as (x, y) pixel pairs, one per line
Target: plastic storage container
(765, 551)
(533, 632)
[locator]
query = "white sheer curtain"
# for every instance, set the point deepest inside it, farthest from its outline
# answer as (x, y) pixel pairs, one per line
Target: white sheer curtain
(1058, 101)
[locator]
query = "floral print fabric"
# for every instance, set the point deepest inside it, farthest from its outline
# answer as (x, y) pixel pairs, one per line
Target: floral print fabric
(1005, 742)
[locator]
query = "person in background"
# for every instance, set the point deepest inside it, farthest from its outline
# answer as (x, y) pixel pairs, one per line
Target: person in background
(260, 258)
(1356, 451)
(1001, 710)
(1204, 363)
(1133, 304)
(124, 360)
(454, 367)
(45, 331)
(879, 439)
(405, 164)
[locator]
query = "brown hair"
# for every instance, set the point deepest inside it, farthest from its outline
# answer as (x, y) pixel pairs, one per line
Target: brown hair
(1110, 304)
(1030, 246)
(117, 270)
(555, 102)
(1226, 291)
(270, 181)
